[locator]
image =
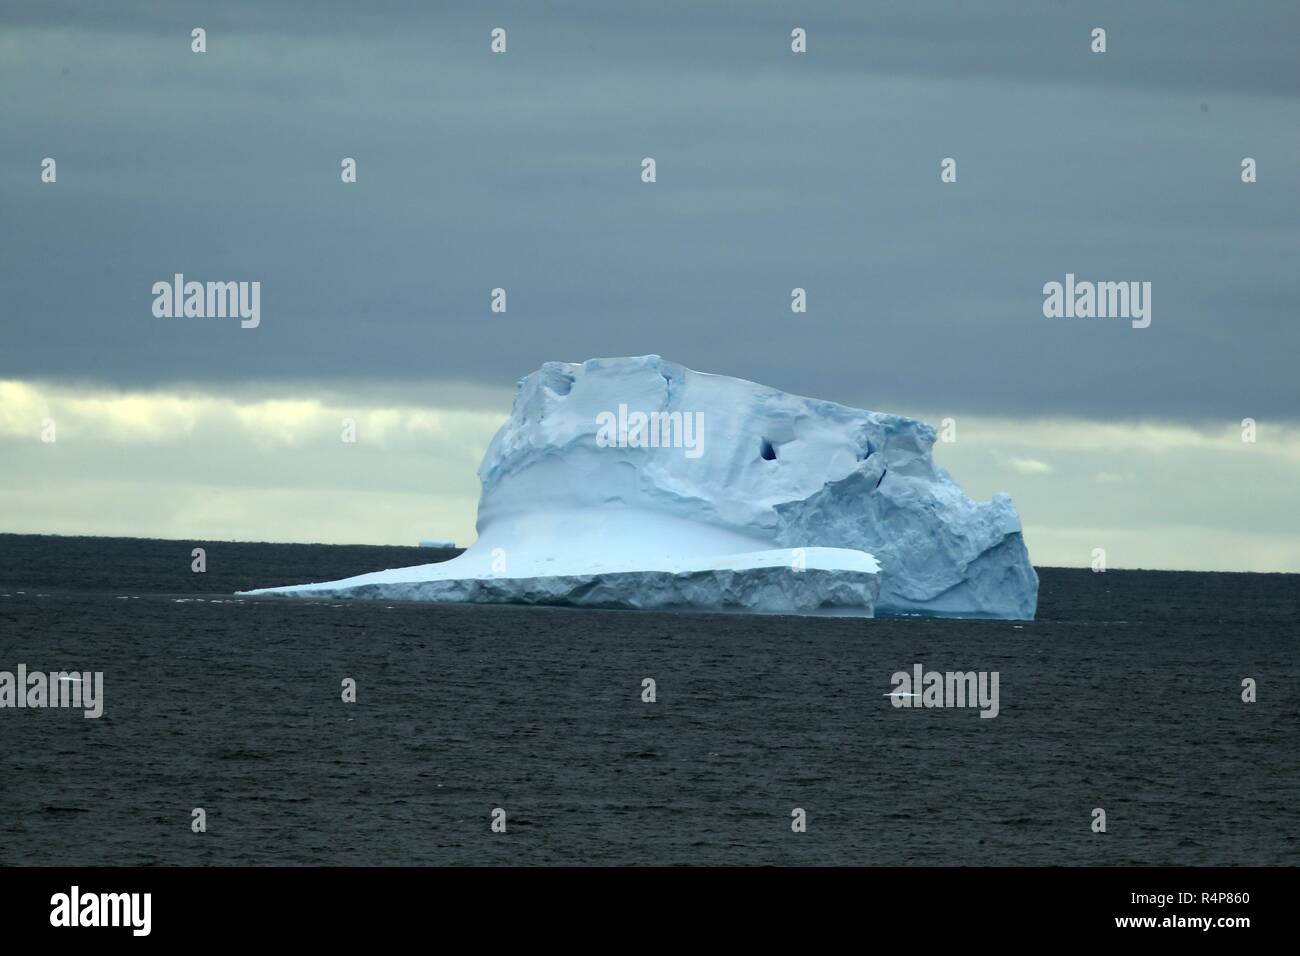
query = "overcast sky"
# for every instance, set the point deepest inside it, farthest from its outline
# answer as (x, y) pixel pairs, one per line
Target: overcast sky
(774, 170)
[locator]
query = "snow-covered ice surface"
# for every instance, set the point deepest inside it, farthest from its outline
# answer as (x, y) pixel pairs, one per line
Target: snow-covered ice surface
(772, 503)
(831, 581)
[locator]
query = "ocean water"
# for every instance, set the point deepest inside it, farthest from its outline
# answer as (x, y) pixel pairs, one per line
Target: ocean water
(1125, 694)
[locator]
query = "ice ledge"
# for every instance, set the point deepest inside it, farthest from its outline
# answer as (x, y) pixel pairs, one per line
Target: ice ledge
(816, 581)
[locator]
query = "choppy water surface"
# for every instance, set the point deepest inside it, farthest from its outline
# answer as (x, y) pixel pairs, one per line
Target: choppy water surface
(1125, 694)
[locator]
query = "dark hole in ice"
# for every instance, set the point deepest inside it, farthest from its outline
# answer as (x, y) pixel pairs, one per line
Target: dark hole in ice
(767, 451)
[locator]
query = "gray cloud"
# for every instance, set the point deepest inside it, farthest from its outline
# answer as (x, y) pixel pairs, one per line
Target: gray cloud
(775, 171)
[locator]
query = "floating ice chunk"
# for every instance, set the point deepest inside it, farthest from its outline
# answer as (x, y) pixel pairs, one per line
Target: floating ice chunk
(636, 482)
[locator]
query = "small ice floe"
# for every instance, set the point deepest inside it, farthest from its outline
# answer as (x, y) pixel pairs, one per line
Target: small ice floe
(899, 693)
(71, 680)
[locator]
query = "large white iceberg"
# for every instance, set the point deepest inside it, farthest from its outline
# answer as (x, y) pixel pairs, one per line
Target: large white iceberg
(639, 483)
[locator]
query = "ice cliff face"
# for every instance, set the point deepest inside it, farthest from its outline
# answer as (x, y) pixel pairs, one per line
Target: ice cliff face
(641, 467)
(780, 470)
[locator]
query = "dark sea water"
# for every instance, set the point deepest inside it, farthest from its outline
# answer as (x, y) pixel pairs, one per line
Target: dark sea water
(1125, 694)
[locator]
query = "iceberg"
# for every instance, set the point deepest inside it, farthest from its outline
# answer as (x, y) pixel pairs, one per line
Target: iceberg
(639, 483)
